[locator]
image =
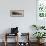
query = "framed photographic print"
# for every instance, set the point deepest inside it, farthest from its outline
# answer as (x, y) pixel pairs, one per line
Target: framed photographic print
(16, 13)
(41, 8)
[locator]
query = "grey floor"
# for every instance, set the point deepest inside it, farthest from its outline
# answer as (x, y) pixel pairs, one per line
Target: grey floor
(13, 44)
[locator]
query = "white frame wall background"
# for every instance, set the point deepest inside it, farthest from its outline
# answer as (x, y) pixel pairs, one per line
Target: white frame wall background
(41, 12)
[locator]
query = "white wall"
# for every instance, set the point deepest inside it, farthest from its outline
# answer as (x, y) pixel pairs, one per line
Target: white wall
(24, 23)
